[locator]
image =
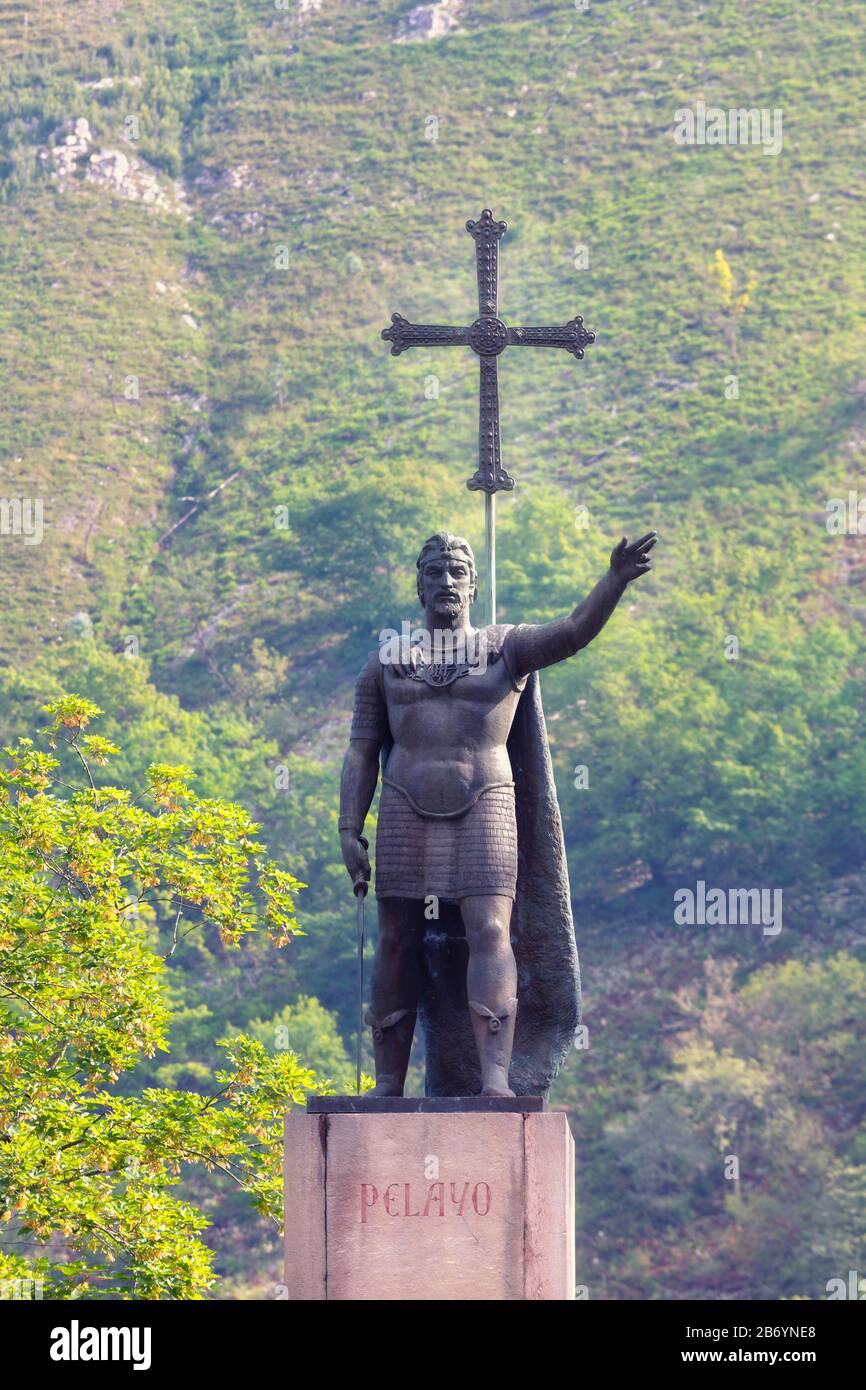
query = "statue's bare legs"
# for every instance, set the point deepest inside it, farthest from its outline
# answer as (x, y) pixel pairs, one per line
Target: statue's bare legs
(398, 973)
(491, 983)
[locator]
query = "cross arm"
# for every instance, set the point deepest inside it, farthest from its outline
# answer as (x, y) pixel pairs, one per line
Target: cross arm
(572, 336)
(402, 335)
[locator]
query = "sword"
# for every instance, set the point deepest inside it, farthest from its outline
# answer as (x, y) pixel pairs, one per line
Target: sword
(359, 888)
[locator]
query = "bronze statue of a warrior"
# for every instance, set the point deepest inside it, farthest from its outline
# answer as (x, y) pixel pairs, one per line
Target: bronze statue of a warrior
(475, 927)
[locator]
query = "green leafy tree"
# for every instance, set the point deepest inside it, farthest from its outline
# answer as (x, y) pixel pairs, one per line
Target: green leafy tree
(311, 1031)
(100, 887)
(770, 1075)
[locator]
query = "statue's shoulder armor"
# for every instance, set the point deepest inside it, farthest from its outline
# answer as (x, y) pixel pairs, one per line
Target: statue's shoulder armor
(370, 718)
(496, 634)
(496, 647)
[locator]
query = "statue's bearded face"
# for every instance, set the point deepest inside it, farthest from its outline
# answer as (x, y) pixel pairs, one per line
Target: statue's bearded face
(446, 584)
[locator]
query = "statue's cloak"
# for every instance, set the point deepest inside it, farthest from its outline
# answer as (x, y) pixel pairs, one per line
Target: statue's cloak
(542, 934)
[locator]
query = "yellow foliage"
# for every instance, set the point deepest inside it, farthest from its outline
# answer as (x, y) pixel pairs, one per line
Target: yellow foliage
(721, 272)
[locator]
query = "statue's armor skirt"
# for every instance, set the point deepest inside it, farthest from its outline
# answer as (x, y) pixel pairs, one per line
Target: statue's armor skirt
(455, 857)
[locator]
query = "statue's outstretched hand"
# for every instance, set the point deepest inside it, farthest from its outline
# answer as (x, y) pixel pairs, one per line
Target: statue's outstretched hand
(629, 561)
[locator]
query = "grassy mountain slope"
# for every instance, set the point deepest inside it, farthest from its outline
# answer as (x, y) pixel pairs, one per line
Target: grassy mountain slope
(246, 516)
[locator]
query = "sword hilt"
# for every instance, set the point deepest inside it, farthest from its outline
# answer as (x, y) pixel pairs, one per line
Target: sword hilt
(359, 882)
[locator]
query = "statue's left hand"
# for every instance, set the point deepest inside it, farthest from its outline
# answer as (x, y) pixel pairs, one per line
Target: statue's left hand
(629, 561)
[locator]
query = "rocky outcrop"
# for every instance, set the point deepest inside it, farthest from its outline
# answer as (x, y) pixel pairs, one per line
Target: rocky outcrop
(71, 153)
(429, 21)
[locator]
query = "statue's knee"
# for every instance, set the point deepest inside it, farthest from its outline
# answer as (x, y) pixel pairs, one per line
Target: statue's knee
(489, 936)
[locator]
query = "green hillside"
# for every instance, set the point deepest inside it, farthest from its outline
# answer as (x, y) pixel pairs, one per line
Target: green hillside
(236, 476)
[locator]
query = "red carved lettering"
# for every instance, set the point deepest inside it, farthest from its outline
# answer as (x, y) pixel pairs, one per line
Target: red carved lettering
(475, 1191)
(434, 1202)
(364, 1203)
(439, 1197)
(462, 1196)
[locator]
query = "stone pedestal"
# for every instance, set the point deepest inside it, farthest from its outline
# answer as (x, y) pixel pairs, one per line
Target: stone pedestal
(419, 1201)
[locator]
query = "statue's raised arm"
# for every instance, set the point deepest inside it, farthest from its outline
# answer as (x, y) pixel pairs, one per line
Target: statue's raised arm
(534, 646)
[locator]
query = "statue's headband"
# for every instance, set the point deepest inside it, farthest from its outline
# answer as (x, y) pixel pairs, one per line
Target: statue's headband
(443, 543)
(432, 554)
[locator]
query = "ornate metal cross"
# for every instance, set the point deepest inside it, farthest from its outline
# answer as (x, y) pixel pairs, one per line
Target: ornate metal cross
(488, 336)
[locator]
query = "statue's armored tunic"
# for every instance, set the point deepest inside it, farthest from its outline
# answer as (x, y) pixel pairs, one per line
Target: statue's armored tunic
(450, 858)
(470, 846)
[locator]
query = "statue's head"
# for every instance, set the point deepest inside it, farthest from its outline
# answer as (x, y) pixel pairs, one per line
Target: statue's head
(447, 583)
